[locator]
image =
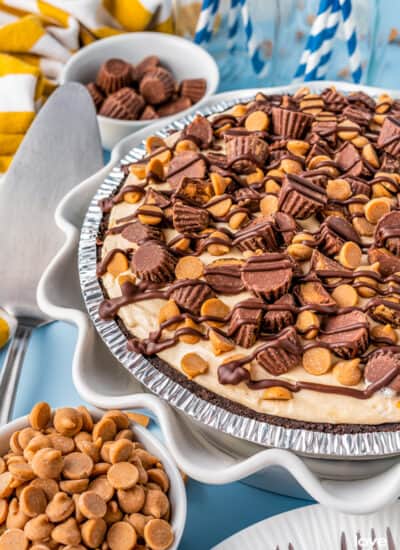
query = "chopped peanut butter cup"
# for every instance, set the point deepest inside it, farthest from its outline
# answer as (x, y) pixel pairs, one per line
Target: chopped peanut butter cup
(138, 233)
(246, 153)
(200, 131)
(224, 276)
(346, 334)
(349, 160)
(113, 75)
(388, 262)
(380, 364)
(282, 353)
(190, 294)
(245, 322)
(387, 232)
(188, 164)
(157, 86)
(389, 136)
(188, 219)
(290, 124)
(277, 319)
(300, 198)
(259, 234)
(153, 262)
(268, 275)
(335, 231)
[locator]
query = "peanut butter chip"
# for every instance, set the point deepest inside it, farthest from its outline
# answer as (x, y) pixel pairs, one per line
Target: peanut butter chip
(220, 343)
(375, 209)
(6, 487)
(132, 500)
(139, 418)
(167, 312)
(132, 197)
(72, 486)
(91, 505)
(348, 373)
(149, 214)
(69, 421)
(158, 534)
(121, 536)
(32, 501)
(157, 475)
(118, 264)
(123, 475)
(193, 365)
(214, 307)
(60, 508)
(102, 487)
(93, 532)
(345, 296)
(156, 503)
(13, 539)
(40, 416)
(21, 471)
(120, 418)
(307, 324)
(38, 528)
(317, 361)
(67, 532)
(155, 168)
(277, 393)
(257, 121)
(3, 510)
(338, 189)
(105, 429)
(350, 255)
(121, 451)
(77, 466)
(189, 267)
(269, 204)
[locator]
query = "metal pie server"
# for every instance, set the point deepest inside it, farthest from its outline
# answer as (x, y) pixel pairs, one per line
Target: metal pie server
(61, 149)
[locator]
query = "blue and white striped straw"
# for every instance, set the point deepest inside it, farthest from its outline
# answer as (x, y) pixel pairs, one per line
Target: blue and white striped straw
(205, 23)
(233, 24)
(253, 49)
(350, 35)
(317, 63)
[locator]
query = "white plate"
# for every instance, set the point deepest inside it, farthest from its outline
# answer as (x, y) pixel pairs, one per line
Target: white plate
(317, 528)
(363, 486)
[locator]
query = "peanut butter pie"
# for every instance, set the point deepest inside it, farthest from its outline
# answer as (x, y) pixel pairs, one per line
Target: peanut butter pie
(254, 257)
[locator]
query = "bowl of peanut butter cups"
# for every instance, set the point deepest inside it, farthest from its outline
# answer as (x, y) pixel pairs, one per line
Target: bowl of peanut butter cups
(135, 79)
(77, 479)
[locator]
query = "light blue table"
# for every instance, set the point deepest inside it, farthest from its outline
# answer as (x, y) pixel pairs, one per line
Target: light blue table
(214, 513)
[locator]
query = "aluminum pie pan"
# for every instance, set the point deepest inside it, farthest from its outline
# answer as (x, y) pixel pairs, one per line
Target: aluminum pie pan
(304, 441)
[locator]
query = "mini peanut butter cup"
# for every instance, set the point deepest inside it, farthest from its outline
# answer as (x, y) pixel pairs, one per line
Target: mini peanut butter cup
(149, 63)
(290, 124)
(259, 234)
(149, 113)
(389, 136)
(200, 131)
(153, 262)
(189, 219)
(283, 353)
(380, 364)
(223, 276)
(387, 232)
(246, 153)
(174, 106)
(268, 275)
(185, 165)
(157, 86)
(193, 88)
(113, 75)
(189, 294)
(300, 198)
(349, 160)
(346, 334)
(245, 322)
(124, 104)
(334, 232)
(138, 233)
(96, 94)
(275, 320)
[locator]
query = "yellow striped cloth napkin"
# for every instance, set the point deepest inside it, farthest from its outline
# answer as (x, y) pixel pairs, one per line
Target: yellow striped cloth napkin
(37, 37)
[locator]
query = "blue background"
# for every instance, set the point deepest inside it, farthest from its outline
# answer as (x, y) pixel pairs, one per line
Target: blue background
(214, 513)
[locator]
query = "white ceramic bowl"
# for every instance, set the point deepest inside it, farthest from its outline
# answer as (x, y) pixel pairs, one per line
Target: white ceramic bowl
(177, 491)
(183, 58)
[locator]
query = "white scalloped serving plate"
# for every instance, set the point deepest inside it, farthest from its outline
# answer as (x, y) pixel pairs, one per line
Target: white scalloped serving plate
(360, 486)
(317, 528)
